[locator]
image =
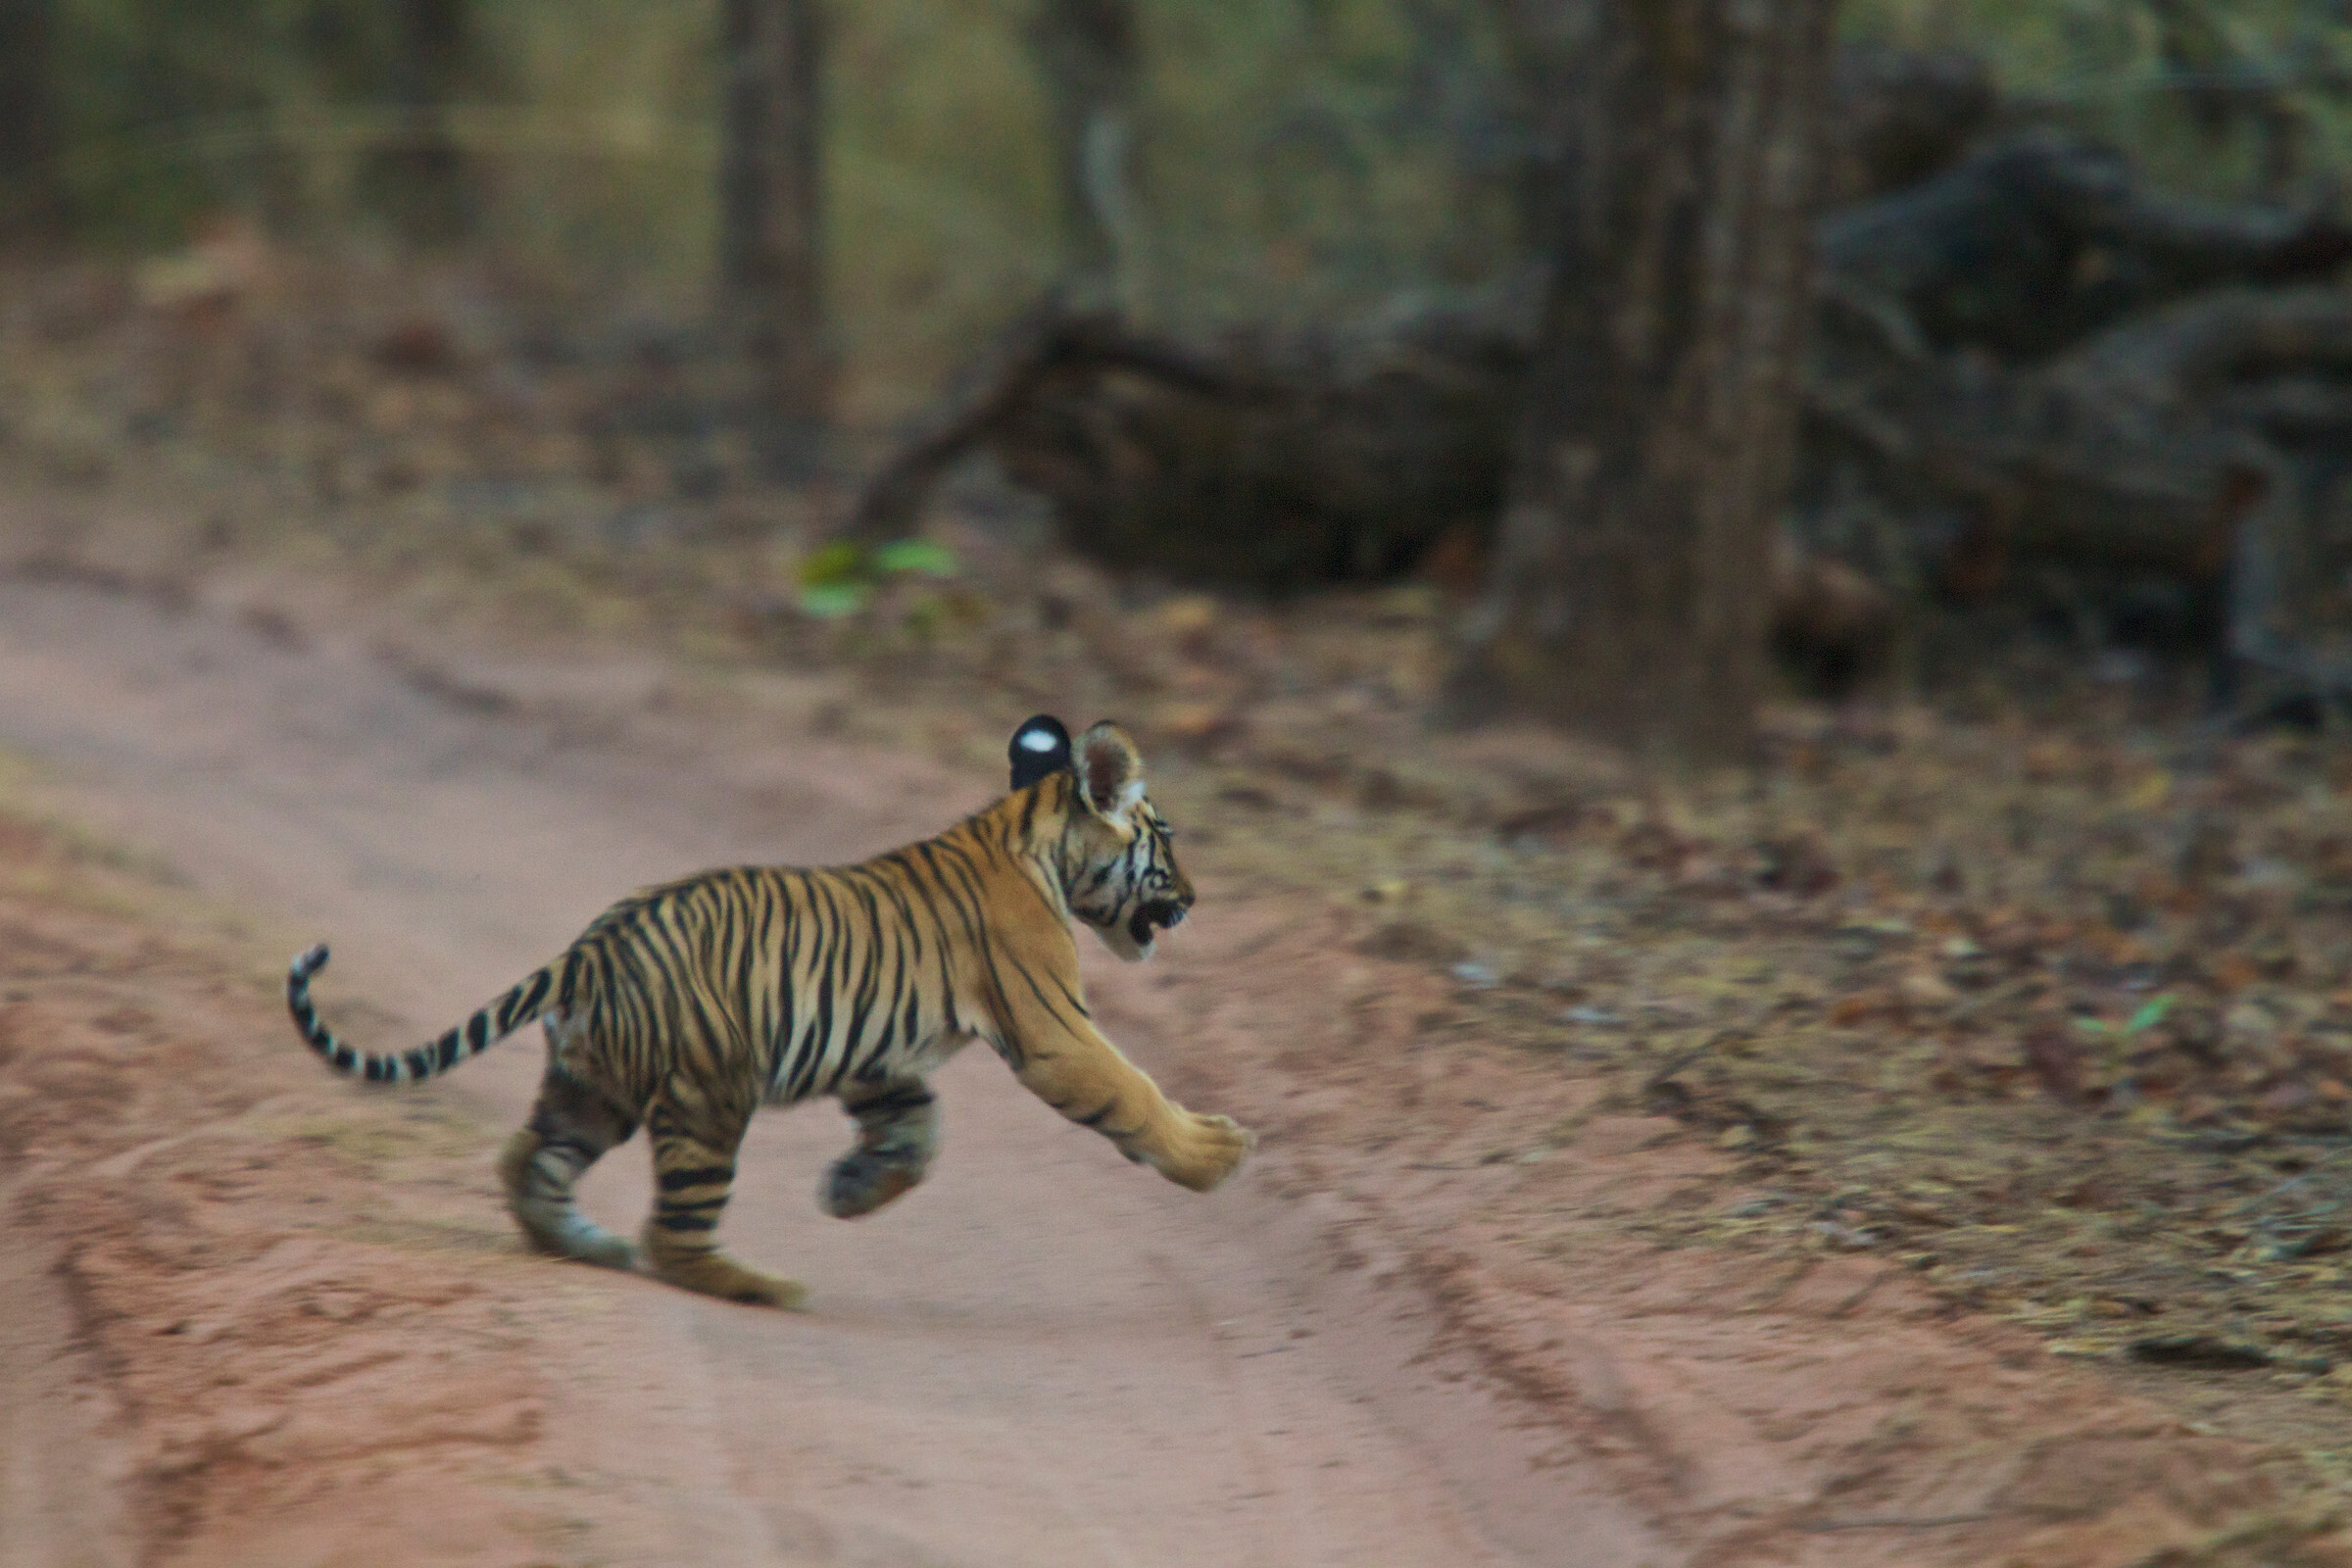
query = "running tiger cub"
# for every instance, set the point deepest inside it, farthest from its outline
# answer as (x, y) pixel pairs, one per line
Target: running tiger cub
(687, 1005)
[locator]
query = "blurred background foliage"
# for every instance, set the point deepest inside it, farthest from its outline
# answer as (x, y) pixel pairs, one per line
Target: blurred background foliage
(2213, 97)
(1296, 160)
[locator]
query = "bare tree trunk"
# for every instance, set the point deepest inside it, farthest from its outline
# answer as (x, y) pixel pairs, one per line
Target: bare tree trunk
(774, 240)
(1087, 53)
(1628, 596)
(1539, 40)
(27, 119)
(427, 174)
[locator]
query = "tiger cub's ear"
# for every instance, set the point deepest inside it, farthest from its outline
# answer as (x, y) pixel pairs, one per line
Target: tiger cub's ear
(1110, 771)
(1039, 747)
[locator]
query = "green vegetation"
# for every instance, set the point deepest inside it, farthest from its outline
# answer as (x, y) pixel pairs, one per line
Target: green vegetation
(840, 578)
(2221, 97)
(1297, 158)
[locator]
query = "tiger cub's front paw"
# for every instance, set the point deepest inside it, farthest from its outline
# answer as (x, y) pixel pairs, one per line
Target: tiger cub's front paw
(713, 1273)
(1205, 1151)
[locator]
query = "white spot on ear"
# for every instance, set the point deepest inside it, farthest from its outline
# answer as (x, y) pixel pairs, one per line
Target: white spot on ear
(1037, 740)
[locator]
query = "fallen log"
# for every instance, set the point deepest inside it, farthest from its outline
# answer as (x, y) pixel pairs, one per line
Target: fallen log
(2039, 240)
(1901, 116)
(1277, 460)
(1279, 464)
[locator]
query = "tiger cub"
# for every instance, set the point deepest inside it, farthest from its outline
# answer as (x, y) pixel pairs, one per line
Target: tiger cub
(686, 1006)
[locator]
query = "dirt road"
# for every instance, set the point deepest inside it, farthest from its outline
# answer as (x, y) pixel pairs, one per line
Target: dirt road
(1044, 1358)
(257, 1316)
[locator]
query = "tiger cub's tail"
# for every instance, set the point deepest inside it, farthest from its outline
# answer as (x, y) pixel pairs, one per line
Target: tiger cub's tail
(493, 1023)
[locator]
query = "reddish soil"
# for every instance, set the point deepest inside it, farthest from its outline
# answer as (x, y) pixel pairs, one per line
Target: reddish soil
(256, 1316)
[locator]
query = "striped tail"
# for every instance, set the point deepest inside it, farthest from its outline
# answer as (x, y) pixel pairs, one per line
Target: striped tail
(471, 1038)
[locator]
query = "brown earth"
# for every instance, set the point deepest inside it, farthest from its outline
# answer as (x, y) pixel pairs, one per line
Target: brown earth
(257, 1316)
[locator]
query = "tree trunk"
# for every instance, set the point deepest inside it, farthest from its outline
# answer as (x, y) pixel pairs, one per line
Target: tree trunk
(424, 175)
(1087, 54)
(28, 120)
(1626, 597)
(1539, 42)
(773, 239)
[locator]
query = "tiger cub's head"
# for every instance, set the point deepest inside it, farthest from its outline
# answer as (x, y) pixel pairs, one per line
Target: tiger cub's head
(1119, 870)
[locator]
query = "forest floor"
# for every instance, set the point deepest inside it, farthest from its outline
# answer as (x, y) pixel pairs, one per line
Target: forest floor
(1932, 1144)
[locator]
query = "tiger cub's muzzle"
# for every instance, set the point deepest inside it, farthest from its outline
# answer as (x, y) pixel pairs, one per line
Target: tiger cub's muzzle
(1157, 915)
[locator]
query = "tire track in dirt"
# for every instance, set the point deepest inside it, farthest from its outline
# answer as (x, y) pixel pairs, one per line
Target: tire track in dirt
(1044, 1358)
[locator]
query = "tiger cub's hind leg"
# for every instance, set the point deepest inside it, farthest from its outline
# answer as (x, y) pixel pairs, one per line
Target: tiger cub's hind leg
(897, 1129)
(571, 1126)
(694, 1168)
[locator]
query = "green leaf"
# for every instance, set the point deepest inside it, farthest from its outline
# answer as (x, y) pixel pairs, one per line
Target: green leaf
(831, 601)
(2094, 1026)
(2151, 1013)
(918, 556)
(837, 564)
